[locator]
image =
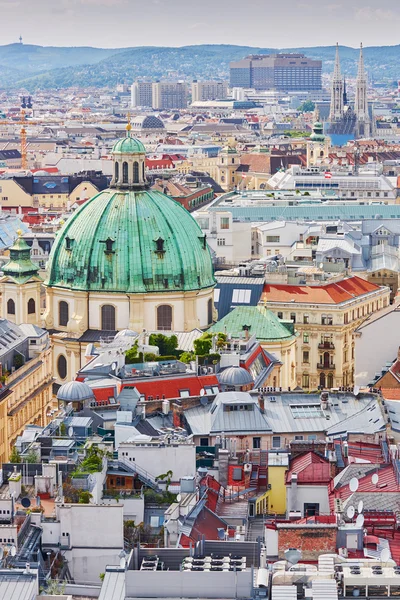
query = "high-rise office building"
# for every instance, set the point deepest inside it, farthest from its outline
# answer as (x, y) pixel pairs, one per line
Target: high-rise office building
(283, 72)
(142, 94)
(169, 94)
(209, 90)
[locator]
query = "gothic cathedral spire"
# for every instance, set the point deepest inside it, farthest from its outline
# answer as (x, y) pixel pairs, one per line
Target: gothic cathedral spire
(336, 111)
(361, 99)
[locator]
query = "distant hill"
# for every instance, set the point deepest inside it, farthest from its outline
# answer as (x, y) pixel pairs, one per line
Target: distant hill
(37, 67)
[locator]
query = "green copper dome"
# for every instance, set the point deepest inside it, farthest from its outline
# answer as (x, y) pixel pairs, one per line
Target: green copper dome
(131, 242)
(20, 266)
(128, 145)
(318, 132)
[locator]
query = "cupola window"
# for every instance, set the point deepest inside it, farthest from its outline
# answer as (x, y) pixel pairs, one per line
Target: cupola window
(11, 307)
(135, 172)
(62, 366)
(69, 242)
(31, 306)
(116, 172)
(125, 172)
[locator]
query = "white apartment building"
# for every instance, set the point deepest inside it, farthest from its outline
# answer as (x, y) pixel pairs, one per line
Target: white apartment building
(229, 240)
(142, 94)
(368, 184)
(169, 94)
(209, 90)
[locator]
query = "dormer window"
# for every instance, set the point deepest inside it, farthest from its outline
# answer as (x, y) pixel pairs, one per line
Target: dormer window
(203, 239)
(160, 246)
(109, 245)
(69, 243)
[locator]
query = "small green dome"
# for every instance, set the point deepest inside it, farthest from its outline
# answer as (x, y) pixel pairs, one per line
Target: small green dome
(128, 241)
(128, 145)
(318, 132)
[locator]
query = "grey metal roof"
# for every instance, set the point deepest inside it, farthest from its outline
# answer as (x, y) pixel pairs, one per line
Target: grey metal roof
(78, 421)
(17, 586)
(235, 376)
(368, 420)
(227, 414)
(75, 391)
(374, 501)
(113, 587)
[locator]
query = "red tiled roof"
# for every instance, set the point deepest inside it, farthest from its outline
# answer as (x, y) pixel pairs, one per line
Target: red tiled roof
(310, 469)
(332, 293)
(171, 387)
(391, 393)
(368, 452)
(387, 483)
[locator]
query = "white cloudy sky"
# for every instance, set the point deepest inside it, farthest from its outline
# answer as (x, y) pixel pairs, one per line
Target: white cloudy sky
(267, 23)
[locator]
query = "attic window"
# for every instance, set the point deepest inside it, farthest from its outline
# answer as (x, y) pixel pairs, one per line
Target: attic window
(246, 327)
(50, 185)
(203, 240)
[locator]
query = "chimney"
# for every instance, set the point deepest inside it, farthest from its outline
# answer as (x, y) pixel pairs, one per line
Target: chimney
(261, 403)
(293, 492)
(177, 415)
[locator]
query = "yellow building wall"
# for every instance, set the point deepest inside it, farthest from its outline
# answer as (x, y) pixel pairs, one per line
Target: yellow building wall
(273, 501)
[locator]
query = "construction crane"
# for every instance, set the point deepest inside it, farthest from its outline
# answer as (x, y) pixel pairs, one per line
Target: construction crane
(25, 104)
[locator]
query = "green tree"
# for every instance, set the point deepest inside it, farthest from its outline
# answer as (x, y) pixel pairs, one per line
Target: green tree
(32, 457)
(186, 357)
(307, 106)
(15, 456)
(131, 353)
(166, 344)
(84, 497)
(203, 344)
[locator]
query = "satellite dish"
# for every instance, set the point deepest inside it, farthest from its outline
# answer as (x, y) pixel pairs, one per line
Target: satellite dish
(356, 390)
(385, 555)
(360, 507)
(122, 563)
(178, 498)
(114, 366)
(25, 502)
(360, 521)
(202, 392)
(375, 478)
(1, 552)
(70, 431)
(353, 484)
(321, 265)
(350, 512)
(13, 551)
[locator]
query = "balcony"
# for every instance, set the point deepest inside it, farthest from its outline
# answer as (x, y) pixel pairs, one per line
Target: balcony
(325, 366)
(326, 346)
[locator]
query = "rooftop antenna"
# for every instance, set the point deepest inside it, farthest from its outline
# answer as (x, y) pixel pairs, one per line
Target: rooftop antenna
(20, 39)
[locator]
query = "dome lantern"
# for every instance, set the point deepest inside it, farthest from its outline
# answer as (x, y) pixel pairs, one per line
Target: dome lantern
(129, 156)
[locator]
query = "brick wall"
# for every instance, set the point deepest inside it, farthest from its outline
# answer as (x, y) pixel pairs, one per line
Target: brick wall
(312, 540)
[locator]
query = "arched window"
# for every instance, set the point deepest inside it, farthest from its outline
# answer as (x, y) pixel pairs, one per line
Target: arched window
(10, 307)
(135, 172)
(210, 312)
(108, 317)
(116, 172)
(322, 380)
(31, 306)
(164, 317)
(63, 313)
(62, 366)
(143, 170)
(330, 380)
(125, 172)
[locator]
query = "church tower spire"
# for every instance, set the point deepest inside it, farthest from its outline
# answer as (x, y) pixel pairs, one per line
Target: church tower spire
(361, 99)
(336, 111)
